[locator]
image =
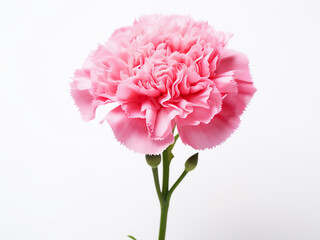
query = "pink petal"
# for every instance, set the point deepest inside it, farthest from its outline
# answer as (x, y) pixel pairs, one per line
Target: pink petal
(116, 67)
(162, 127)
(129, 89)
(227, 120)
(225, 82)
(238, 64)
(81, 79)
(204, 66)
(83, 100)
(232, 60)
(133, 110)
(203, 113)
(208, 135)
(133, 133)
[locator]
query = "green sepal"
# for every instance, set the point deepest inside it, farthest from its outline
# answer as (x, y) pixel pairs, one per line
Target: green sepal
(153, 160)
(192, 162)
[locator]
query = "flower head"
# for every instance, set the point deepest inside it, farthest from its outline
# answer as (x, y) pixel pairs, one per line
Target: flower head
(166, 71)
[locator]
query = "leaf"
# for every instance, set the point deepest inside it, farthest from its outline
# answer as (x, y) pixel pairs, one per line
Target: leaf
(132, 237)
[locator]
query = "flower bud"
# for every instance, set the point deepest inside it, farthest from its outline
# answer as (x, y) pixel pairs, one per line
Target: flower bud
(153, 160)
(191, 163)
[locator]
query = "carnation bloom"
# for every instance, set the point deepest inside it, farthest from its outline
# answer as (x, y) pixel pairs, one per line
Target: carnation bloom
(166, 71)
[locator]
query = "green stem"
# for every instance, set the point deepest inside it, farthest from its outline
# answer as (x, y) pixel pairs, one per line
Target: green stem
(165, 195)
(174, 142)
(166, 166)
(163, 221)
(166, 158)
(175, 185)
(157, 184)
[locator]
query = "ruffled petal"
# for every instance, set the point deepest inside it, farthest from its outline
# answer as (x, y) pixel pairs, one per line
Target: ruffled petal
(133, 133)
(203, 112)
(81, 79)
(208, 135)
(129, 90)
(83, 100)
(232, 60)
(225, 83)
(165, 71)
(161, 126)
(227, 120)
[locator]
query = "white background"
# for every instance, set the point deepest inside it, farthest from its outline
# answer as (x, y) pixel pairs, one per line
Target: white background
(65, 179)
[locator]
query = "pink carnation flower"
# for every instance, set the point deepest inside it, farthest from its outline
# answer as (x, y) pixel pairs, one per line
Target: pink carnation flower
(166, 71)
